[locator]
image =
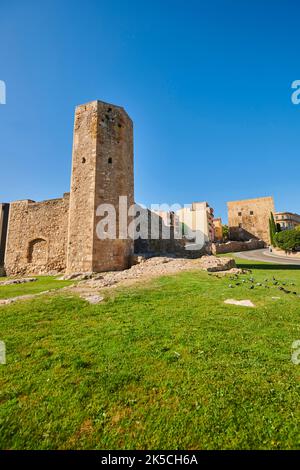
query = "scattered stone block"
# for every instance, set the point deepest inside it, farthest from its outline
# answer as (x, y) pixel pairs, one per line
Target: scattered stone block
(18, 281)
(93, 298)
(241, 303)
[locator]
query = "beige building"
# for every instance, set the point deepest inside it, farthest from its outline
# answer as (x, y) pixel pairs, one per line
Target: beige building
(250, 219)
(199, 218)
(218, 227)
(61, 234)
(287, 220)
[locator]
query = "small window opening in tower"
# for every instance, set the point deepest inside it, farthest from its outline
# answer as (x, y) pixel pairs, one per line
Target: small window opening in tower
(110, 160)
(83, 160)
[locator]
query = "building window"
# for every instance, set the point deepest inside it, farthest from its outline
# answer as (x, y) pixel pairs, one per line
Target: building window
(240, 225)
(251, 213)
(110, 160)
(240, 214)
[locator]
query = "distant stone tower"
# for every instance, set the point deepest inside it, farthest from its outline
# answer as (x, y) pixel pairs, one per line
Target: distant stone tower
(102, 170)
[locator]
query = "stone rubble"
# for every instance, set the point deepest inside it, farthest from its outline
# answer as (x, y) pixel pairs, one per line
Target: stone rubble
(92, 299)
(215, 264)
(18, 281)
(147, 269)
(241, 303)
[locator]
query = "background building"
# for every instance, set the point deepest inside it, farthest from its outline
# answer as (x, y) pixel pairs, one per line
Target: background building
(287, 220)
(198, 218)
(250, 219)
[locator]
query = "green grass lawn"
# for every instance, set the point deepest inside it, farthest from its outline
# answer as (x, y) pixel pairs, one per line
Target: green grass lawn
(43, 283)
(166, 366)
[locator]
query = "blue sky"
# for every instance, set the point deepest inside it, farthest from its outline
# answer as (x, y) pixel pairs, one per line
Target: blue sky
(207, 84)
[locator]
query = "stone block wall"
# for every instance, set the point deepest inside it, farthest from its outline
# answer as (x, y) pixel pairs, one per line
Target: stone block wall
(37, 237)
(4, 211)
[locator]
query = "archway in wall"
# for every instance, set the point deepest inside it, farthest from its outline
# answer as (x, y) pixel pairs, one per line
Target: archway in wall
(38, 252)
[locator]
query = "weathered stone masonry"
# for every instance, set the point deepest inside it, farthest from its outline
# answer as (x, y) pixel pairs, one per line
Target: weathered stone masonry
(102, 172)
(60, 234)
(249, 219)
(37, 236)
(4, 211)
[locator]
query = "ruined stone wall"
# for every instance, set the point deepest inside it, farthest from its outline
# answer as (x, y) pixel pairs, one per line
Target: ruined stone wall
(102, 171)
(250, 219)
(235, 246)
(37, 237)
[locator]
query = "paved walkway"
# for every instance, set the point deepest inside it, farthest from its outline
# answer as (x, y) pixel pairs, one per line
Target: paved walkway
(266, 256)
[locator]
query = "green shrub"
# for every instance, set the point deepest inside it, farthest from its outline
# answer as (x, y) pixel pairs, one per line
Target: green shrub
(288, 240)
(225, 232)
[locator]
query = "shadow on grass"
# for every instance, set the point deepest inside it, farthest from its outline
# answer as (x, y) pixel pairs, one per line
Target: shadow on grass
(268, 266)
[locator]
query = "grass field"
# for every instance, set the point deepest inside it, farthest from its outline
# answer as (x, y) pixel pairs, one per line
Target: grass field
(164, 366)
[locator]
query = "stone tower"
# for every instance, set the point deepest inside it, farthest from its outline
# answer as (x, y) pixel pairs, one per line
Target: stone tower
(102, 171)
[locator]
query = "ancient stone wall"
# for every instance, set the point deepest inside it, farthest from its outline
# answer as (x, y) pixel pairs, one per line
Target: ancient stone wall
(4, 211)
(37, 236)
(235, 246)
(250, 219)
(102, 171)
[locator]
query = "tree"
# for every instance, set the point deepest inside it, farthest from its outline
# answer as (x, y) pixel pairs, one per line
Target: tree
(288, 240)
(273, 229)
(225, 232)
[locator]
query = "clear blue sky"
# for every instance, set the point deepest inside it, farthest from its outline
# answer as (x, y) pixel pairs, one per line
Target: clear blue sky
(207, 83)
